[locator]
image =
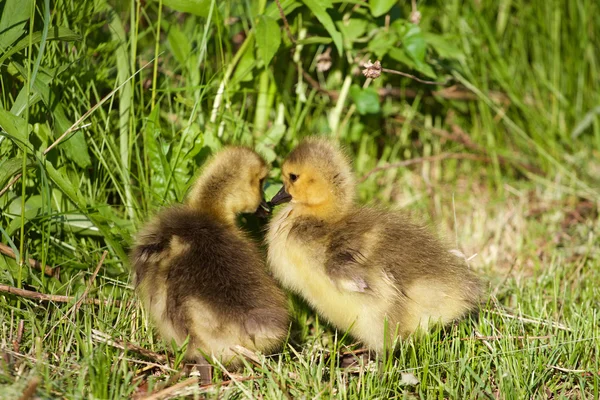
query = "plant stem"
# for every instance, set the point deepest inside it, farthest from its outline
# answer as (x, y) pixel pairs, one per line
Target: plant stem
(156, 48)
(227, 76)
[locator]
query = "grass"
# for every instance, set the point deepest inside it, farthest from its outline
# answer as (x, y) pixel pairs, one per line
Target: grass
(518, 115)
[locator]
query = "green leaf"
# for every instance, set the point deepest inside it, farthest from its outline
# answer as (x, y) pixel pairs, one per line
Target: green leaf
(318, 8)
(196, 7)
(65, 185)
(366, 100)
(79, 224)
(401, 56)
(55, 33)
(15, 127)
(72, 192)
(414, 43)
(286, 5)
(269, 140)
(158, 164)
(425, 69)
(352, 29)
(12, 21)
(315, 40)
(29, 214)
(74, 146)
(380, 7)
(9, 168)
(179, 43)
(268, 38)
(383, 42)
(444, 48)
(244, 70)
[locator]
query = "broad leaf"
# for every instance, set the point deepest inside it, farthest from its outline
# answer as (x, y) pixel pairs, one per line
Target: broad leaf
(444, 48)
(315, 40)
(268, 38)
(318, 8)
(381, 7)
(366, 100)
(352, 29)
(269, 140)
(196, 7)
(244, 70)
(12, 21)
(9, 168)
(414, 43)
(179, 43)
(287, 5)
(55, 33)
(383, 42)
(158, 164)
(74, 146)
(15, 127)
(401, 56)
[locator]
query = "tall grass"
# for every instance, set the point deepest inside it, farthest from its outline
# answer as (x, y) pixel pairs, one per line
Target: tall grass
(160, 90)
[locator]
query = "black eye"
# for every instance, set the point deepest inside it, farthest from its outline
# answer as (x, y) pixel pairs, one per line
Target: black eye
(293, 177)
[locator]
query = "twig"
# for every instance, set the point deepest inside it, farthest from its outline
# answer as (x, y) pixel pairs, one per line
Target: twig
(508, 337)
(150, 364)
(29, 294)
(487, 344)
(393, 71)
(12, 182)
(449, 93)
(119, 344)
(575, 371)
(41, 296)
(170, 393)
(230, 381)
(240, 350)
(6, 250)
(333, 94)
(532, 321)
(30, 389)
(374, 70)
(355, 352)
(442, 156)
(162, 394)
(246, 353)
(285, 22)
(17, 341)
(459, 135)
(89, 285)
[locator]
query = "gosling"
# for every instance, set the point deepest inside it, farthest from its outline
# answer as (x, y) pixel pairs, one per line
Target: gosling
(373, 273)
(201, 276)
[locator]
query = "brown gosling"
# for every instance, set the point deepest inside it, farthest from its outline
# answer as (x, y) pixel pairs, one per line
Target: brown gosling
(201, 276)
(371, 272)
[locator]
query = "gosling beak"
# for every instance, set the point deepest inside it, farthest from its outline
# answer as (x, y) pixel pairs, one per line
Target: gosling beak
(263, 210)
(281, 197)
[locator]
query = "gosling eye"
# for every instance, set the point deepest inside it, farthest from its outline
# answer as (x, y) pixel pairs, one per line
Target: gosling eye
(293, 177)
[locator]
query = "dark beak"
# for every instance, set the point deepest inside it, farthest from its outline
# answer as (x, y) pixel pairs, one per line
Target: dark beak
(281, 197)
(263, 210)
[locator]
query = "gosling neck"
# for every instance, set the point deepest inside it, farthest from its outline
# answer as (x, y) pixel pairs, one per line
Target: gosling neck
(215, 207)
(329, 212)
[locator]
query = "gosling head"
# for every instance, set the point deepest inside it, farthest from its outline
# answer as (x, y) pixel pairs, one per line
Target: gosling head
(230, 184)
(318, 180)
